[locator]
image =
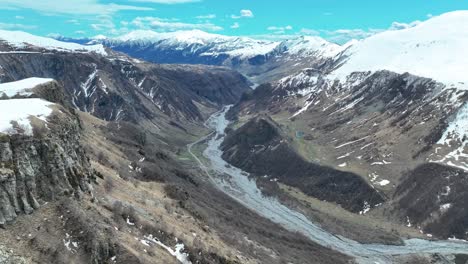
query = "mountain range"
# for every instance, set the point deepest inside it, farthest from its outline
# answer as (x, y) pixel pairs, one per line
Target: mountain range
(194, 147)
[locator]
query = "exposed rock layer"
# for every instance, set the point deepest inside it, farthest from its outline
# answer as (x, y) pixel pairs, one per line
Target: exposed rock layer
(39, 168)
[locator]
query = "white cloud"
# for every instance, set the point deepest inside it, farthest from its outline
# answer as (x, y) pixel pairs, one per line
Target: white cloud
(274, 37)
(73, 21)
(309, 32)
(235, 25)
(244, 13)
(279, 30)
(210, 16)
(162, 24)
(345, 35)
(103, 22)
(168, 2)
(274, 28)
(83, 7)
(15, 26)
(80, 32)
(19, 17)
(399, 25)
(54, 35)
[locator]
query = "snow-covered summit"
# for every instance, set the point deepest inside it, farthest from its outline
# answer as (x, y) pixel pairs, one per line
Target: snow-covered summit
(436, 48)
(309, 45)
(188, 36)
(196, 40)
(21, 40)
(214, 44)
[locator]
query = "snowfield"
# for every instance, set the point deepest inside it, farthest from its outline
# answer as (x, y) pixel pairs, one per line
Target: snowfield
(435, 48)
(22, 40)
(20, 111)
(21, 87)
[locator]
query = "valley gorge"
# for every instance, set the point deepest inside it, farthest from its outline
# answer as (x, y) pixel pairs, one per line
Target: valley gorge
(191, 147)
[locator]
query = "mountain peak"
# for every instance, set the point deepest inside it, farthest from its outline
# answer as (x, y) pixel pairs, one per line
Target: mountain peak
(22, 40)
(188, 36)
(435, 48)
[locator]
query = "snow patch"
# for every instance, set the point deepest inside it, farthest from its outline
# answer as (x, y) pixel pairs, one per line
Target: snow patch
(383, 182)
(178, 252)
(20, 111)
(21, 87)
(365, 209)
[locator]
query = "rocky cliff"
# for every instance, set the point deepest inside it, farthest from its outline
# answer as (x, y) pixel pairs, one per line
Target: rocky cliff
(41, 166)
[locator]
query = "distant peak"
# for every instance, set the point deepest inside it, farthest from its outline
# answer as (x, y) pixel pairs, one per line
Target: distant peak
(22, 40)
(99, 37)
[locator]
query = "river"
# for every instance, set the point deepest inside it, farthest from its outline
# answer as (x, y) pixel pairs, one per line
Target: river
(235, 183)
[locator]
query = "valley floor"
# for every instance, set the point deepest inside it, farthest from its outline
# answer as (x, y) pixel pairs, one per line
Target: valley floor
(237, 184)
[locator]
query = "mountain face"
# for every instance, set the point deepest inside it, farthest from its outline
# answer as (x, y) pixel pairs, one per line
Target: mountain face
(115, 87)
(386, 109)
(41, 157)
(360, 145)
(260, 60)
(93, 149)
(259, 147)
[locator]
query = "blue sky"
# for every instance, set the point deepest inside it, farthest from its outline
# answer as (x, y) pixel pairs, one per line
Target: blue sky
(336, 20)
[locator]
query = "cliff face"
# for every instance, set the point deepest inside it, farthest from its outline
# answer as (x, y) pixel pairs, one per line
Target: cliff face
(118, 88)
(42, 166)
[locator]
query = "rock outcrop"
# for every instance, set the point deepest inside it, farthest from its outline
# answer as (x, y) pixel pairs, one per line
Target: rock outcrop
(42, 166)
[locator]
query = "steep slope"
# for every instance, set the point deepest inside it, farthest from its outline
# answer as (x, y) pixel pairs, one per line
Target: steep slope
(385, 108)
(439, 208)
(149, 202)
(41, 157)
(259, 147)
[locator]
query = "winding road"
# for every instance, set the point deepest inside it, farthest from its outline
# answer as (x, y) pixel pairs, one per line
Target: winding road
(235, 183)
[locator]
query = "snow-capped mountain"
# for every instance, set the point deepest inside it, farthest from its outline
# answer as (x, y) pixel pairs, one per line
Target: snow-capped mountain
(262, 60)
(199, 42)
(204, 44)
(392, 108)
(435, 49)
(23, 41)
(193, 46)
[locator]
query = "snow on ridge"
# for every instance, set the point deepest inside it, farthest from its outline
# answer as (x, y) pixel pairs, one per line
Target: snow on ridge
(212, 44)
(309, 45)
(236, 46)
(22, 87)
(20, 111)
(186, 36)
(22, 40)
(435, 49)
(456, 136)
